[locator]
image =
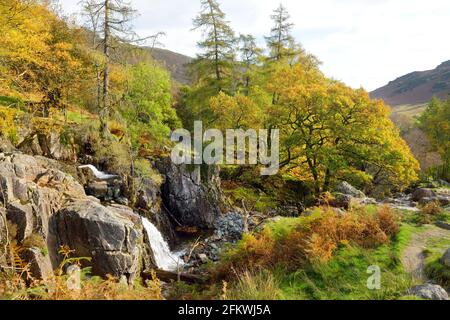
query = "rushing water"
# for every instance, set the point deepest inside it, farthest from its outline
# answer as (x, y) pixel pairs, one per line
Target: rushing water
(164, 258)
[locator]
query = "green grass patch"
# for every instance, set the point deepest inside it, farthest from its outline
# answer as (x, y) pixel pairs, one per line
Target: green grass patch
(434, 268)
(345, 277)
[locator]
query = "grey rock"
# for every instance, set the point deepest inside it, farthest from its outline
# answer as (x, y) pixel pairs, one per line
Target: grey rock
(97, 189)
(429, 292)
(443, 224)
(149, 196)
(446, 258)
(40, 264)
(420, 193)
(342, 200)
(112, 236)
(348, 189)
(22, 216)
(229, 227)
(191, 193)
(442, 200)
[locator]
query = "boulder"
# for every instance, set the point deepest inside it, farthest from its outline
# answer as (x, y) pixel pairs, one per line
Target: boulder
(442, 200)
(429, 292)
(111, 236)
(443, 225)
(446, 258)
(191, 193)
(342, 200)
(348, 189)
(40, 264)
(97, 189)
(420, 193)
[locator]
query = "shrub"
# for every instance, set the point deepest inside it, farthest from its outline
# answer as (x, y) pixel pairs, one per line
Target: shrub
(311, 239)
(430, 212)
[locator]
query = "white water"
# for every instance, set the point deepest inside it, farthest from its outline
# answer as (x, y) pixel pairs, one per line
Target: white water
(164, 258)
(99, 174)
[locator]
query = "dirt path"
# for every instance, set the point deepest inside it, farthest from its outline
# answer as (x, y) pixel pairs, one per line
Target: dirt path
(413, 257)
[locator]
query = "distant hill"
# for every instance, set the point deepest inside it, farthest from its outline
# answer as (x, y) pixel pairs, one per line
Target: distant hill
(176, 63)
(417, 87)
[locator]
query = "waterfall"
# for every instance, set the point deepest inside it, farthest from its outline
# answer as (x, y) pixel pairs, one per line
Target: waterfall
(164, 258)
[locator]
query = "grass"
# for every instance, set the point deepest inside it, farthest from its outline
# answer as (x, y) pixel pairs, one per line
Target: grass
(434, 268)
(252, 197)
(345, 276)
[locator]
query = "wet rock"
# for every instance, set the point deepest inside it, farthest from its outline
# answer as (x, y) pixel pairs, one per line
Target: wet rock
(421, 193)
(446, 258)
(191, 193)
(97, 189)
(347, 189)
(429, 292)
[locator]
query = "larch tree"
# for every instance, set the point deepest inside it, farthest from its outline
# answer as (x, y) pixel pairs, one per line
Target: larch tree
(280, 42)
(250, 54)
(214, 65)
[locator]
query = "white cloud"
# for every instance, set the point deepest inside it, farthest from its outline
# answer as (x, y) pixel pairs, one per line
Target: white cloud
(361, 42)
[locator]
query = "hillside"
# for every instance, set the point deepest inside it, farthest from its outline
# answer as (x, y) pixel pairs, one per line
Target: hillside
(416, 87)
(176, 63)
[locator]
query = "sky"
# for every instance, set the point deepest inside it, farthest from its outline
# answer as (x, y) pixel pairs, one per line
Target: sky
(364, 43)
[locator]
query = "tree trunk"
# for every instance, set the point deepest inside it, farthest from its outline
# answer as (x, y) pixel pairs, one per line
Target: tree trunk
(104, 114)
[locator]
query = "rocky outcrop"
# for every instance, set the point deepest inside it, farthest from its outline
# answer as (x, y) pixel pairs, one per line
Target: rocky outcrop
(429, 292)
(50, 145)
(41, 200)
(191, 193)
(112, 236)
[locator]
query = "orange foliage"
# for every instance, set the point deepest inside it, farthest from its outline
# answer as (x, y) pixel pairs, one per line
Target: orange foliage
(314, 239)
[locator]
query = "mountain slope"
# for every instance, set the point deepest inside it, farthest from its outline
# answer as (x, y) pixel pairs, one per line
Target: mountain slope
(176, 63)
(416, 87)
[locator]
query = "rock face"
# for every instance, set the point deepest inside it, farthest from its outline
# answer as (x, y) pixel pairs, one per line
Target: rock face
(49, 145)
(44, 201)
(429, 292)
(347, 189)
(446, 258)
(191, 194)
(112, 236)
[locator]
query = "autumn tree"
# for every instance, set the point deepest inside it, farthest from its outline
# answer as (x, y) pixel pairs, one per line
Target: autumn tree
(40, 54)
(328, 129)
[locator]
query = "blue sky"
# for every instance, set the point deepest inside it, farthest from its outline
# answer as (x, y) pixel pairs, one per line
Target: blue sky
(361, 42)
